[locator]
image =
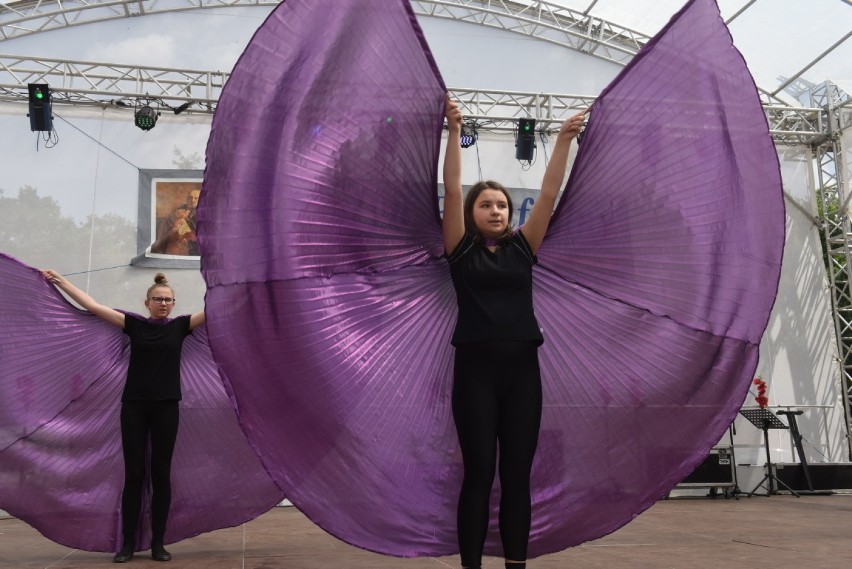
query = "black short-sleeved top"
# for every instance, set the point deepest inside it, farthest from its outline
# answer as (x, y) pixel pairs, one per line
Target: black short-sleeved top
(494, 291)
(155, 348)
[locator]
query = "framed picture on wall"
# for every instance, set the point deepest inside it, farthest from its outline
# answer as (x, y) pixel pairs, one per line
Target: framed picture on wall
(166, 235)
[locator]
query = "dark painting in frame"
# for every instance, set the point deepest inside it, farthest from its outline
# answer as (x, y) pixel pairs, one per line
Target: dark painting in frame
(166, 219)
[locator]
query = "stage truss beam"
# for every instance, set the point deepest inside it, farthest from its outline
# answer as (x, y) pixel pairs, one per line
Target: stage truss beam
(90, 83)
(538, 19)
(545, 21)
(834, 195)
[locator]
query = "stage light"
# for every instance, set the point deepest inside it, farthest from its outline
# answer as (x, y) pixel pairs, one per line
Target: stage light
(468, 135)
(182, 108)
(146, 117)
(40, 106)
(525, 140)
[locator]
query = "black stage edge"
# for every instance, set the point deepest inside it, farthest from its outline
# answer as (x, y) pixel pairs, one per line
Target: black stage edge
(825, 477)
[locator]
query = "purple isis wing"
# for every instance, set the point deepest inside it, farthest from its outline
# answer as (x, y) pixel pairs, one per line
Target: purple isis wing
(330, 310)
(656, 279)
(329, 307)
(61, 468)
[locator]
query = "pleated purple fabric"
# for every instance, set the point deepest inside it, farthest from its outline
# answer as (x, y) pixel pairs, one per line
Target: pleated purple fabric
(61, 468)
(330, 308)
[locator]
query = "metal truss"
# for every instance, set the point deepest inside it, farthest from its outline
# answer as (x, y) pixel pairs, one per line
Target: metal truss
(28, 17)
(795, 125)
(105, 84)
(89, 83)
(499, 111)
(542, 20)
(834, 195)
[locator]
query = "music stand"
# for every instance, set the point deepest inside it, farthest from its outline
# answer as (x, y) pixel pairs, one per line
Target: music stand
(764, 419)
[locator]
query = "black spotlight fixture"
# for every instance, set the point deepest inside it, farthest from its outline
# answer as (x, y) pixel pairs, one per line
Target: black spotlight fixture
(468, 135)
(182, 108)
(146, 117)
(40, 117)
(525, 140)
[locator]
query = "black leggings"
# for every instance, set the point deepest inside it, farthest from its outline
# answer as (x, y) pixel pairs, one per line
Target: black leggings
(496, 400)
(139, 419)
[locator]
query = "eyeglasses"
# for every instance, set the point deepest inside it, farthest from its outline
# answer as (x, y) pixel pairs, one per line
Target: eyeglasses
(162, 299)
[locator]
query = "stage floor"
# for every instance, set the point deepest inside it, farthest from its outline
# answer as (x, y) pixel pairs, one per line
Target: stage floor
(778, 532)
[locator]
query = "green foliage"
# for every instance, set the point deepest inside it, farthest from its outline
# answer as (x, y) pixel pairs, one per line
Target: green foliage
(34, 230)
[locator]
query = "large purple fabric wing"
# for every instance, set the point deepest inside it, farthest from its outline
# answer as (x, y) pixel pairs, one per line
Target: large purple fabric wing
(656, 279)
(61, 468)
(313, 162)
(329, 307)
(330, 310)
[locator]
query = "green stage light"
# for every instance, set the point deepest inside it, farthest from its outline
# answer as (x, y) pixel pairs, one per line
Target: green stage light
(146, 117)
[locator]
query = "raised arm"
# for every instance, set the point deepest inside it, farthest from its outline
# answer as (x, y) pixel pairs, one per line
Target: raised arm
(536, 226)
(197, 319)
(106, 313)
(453, 223)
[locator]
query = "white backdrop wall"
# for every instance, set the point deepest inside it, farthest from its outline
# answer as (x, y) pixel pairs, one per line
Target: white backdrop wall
(798, 352)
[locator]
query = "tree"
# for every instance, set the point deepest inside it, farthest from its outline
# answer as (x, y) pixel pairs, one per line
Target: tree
(33, 230)
(183, 161)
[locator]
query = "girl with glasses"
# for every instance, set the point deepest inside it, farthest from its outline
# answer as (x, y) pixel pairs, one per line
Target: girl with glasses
(149, 403)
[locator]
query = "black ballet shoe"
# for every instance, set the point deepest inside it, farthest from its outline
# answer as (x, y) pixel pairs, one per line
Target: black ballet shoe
(159, 553)
(123, 556)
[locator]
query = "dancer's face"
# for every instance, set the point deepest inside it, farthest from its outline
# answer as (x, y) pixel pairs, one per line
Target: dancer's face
(491, 213)
(158, 308)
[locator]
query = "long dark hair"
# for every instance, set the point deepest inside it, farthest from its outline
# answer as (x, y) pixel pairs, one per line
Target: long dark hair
(470, 199)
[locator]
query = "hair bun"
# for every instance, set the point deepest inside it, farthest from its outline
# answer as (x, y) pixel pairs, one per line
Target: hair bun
(160, 279)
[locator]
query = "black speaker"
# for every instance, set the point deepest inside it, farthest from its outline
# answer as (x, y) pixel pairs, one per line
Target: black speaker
(716, 469)
(525, 140)
(40, 118)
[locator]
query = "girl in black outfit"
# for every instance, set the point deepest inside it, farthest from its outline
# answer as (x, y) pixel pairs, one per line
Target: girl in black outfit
(497, 384)
(149, 404)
